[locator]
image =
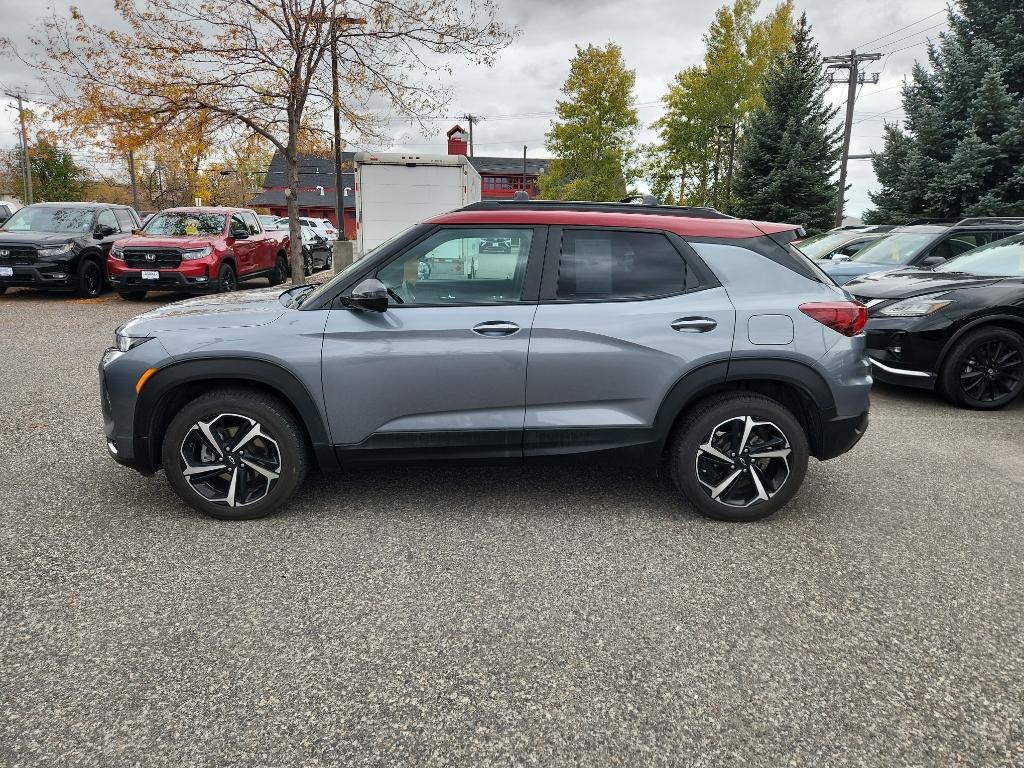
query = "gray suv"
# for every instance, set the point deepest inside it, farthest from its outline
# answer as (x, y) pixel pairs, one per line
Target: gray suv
(624, 332)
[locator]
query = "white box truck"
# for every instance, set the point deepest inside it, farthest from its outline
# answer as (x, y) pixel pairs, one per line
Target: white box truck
(395, 190)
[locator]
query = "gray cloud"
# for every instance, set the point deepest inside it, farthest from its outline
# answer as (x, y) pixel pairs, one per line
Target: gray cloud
(658, 37)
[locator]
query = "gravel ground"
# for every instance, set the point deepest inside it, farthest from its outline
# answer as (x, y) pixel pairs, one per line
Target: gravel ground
(492, 616)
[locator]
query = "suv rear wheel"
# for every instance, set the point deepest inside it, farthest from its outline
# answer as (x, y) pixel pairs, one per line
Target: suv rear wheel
(235, 454)
(280, 273)
(985, 370)
(739, 457)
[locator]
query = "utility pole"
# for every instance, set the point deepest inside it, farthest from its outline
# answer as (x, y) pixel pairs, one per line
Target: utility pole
(469, 118)
(339, 179)
(524, 169)
(851, 63)
(26, 167)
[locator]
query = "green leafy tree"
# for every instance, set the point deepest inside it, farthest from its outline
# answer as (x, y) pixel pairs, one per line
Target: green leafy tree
(790, 148)
(55, 175)
(592, 137)
(705, 105)
(960, 151)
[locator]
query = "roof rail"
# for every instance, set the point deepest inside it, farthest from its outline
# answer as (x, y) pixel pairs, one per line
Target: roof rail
(610, 207)
(991, 220)
(914, 222)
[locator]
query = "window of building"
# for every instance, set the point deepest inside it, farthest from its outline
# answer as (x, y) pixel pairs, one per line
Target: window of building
(609, 264)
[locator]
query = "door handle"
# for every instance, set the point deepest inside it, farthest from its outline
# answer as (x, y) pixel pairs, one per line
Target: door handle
(496, 328)
(694, 325)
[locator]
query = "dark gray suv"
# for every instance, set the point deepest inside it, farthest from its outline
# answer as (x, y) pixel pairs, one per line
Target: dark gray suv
(616, 331)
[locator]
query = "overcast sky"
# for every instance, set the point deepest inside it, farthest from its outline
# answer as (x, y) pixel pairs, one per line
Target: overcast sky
(658, 38)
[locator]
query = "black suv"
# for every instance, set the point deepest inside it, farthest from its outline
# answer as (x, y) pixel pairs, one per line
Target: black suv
(923, 245)
(62, 246)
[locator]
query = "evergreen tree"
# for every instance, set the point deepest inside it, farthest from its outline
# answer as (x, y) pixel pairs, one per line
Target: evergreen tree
(961, 150)
(788, 156)
(592, 139)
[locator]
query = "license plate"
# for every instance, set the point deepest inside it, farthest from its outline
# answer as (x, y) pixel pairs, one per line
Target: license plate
(149, 274)
(6, 271)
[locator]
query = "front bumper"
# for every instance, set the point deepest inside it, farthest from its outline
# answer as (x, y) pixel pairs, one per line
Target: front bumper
(40, 276)
(169, 280)
(119, 372)
(905, 350)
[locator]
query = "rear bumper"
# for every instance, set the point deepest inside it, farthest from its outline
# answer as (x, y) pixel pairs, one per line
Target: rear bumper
(840, 435)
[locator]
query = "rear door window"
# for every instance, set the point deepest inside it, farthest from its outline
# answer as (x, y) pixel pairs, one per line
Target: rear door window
(125, 221)
(603, 264)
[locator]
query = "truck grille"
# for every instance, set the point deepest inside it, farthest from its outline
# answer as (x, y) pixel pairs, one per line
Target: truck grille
(17, 254)
(152, 258)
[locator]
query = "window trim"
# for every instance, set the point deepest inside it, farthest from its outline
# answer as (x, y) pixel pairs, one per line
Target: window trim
(531, 281)
(693, 263)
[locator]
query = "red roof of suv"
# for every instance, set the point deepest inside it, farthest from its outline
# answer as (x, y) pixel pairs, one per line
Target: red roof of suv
(681, 225)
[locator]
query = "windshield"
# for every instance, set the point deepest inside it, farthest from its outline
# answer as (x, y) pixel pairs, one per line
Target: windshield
(895, 250)
(50, 219)
(1003, 258)
(186, 224)
(821, 245)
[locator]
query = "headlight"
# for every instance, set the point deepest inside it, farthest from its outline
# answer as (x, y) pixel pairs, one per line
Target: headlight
(57, 250)
(117, 251)
(919, 306)
(199, 253)
(124, 343)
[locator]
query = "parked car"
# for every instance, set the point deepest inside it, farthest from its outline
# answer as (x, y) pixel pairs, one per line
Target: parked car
(625, 332)
(62, 246)
(7, 209)
(922, 245)
(273, 223)
(322, 227)
(197, 250)
(958, 328)
(316, 251)
(842, 244)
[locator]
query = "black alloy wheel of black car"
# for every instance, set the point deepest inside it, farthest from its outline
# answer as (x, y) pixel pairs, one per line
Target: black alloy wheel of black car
(226, 280)
(985, 370)
(280, 273)
(90, 279)
(307, 262)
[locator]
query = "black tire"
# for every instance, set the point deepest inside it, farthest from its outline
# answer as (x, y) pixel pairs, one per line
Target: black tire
(984, 370)
(89, 280)
(132, 295)
(329, 259)
(280, 273)
(227, 280)
(3, 290)
(221, 409)
(307, 263)
(773, 422)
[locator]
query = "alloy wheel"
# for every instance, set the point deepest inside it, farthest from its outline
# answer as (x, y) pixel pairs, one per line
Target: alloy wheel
(230, 460)
(92, 279)
(227, 281)
(992, 371)
(743, 461)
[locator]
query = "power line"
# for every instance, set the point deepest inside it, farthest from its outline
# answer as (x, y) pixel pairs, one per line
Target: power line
(914, 34)
(897, 31)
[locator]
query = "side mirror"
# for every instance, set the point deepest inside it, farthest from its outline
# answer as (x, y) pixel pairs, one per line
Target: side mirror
(101, 231)
(239, 235)
(933, 261)
(840, 257)
(371, 295)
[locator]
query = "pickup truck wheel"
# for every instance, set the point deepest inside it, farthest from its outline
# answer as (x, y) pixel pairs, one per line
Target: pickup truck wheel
(226, 280)
(739, 457)
(89, 284)
(235, 454)
(132, 295)
(280, 273)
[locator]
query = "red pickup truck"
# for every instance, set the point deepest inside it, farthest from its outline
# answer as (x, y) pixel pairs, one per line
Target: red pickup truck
(197, 250)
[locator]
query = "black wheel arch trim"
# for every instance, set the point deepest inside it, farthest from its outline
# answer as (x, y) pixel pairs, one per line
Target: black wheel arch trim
(152, 400)
(973, 325)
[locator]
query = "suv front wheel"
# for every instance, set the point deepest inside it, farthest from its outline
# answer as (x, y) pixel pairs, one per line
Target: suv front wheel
(235, 454)
(739, 457)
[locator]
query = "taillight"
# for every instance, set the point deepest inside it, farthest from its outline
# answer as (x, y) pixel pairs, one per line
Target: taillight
(845, 317)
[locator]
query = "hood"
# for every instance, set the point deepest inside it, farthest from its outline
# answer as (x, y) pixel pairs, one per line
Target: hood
(241, 309)
(905, 283)
(844, 271)
(38, 238)
(166, 241)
